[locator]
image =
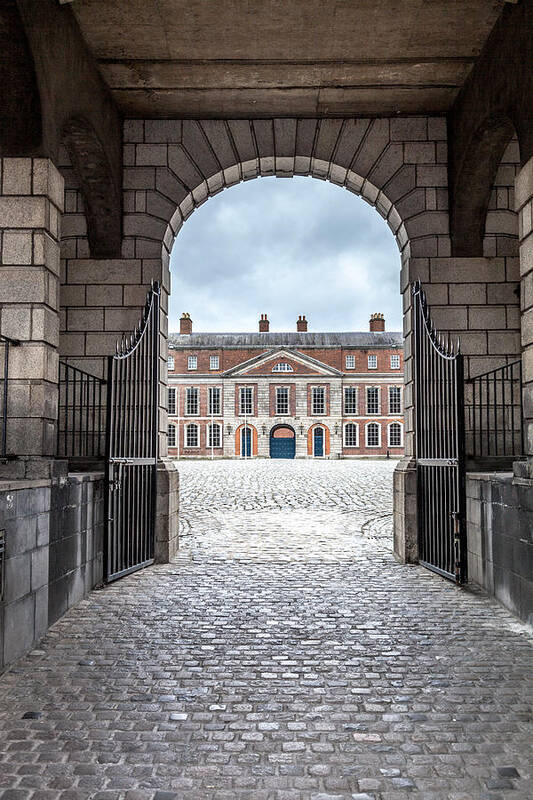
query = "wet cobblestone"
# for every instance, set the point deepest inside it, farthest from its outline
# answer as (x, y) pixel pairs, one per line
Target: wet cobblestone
(284, 655)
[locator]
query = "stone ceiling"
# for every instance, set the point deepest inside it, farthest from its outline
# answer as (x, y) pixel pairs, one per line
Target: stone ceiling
(246, 58)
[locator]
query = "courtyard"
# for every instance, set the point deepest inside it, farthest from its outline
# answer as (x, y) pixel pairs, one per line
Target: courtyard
(282, 655)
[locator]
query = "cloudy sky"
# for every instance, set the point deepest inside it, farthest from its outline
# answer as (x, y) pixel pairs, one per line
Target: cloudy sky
(285, 247)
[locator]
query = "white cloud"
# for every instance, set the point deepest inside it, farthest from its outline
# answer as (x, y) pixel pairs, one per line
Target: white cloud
(285, 247)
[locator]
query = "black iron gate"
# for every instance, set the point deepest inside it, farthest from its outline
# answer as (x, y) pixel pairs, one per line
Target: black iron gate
(440, 448)
(132, 445)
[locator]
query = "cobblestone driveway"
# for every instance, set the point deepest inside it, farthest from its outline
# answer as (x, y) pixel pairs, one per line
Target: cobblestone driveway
(283, 656)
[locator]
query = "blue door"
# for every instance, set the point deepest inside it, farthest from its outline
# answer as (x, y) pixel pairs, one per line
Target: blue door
(246, 442)
(318, 436)
(282, 446)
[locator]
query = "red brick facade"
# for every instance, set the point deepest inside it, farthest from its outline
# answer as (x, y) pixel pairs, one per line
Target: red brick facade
(364, 425)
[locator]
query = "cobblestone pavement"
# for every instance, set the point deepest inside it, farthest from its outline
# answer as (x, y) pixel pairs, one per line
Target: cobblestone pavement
(284, 655)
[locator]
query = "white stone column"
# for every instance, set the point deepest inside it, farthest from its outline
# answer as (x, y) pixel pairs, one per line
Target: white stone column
(31, 203)
(524, 206)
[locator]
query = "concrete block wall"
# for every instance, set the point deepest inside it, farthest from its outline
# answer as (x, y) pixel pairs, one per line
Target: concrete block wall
(76, 541)
(31, 203)
(500, 539)
(24, 518)
(53, 538)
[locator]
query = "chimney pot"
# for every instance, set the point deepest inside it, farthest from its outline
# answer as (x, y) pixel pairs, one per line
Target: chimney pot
(377, 323)
(301, 324)
(264, 324)
(186, 323)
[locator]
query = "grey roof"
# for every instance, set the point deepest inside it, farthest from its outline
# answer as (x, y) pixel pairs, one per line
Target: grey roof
(363, 339)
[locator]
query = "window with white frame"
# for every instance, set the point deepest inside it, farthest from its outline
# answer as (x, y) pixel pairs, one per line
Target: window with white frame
(318, 400)
(170, 363)
(373, 435)
(214, 362)
(350, 400)
(282, 400)
(172, 436)
(191, 435)
(213, 400)
(192, 362)
(246, 400)
(395, 434)
(351, 435)
(172, 401)
(372, 362)
(372, 400)
(282, 366)
(350, 362)
(191, 402)
(214, 436)
(395, 362)
(395, 400)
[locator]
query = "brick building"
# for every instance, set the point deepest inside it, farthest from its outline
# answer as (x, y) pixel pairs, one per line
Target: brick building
(285, 395)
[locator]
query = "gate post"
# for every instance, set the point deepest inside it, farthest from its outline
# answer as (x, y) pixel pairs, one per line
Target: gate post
(524, 206)
(167, 507)
(404, 480)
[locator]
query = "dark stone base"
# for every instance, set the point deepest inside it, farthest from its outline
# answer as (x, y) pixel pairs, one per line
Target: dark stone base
(500, 538)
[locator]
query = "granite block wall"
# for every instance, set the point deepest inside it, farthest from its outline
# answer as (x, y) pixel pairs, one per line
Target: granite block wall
(53, 554)
(500, 539)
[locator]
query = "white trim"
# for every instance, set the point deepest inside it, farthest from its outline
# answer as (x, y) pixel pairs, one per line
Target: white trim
(349, 366)
(366, 434)
(343, 400)
(345, 443)
(395, 356)
(173, 390)
(171, 363)
(246, 413)
(198, 401)
(191, 425)
(211, 359)
(191, 360)
(210, 443)
(399, 412)
(282, 413)
(389, 426)
(378, 412)
(372, 356)
(171, 425)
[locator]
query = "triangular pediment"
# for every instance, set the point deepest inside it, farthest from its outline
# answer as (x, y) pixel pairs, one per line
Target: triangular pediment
(298, 363)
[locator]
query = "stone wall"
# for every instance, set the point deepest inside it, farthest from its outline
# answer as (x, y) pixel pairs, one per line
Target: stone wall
(76, 541)
(500, 539)
(53, 557)
(24, 519)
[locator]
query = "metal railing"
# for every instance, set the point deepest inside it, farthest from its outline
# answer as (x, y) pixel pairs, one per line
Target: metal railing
(494, 418)
(6, 343)
(81, 418)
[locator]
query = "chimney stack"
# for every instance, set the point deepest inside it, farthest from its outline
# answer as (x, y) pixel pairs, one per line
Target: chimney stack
(185, 323)
(377, 323)
(264, 324)
(301, 324)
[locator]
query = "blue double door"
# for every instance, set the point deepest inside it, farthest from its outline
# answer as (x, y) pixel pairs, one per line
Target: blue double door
(282, 446)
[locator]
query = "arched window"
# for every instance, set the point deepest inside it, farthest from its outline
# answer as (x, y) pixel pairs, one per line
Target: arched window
(191, 435)
(395, 434)
(172, 436)
(281, 366)
(214, 437)
(351, 435)
(373, 435)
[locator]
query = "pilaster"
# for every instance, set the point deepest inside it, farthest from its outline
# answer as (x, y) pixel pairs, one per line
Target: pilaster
(31, 203)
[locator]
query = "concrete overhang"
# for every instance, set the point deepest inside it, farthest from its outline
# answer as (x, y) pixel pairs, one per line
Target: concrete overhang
(237, 58)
